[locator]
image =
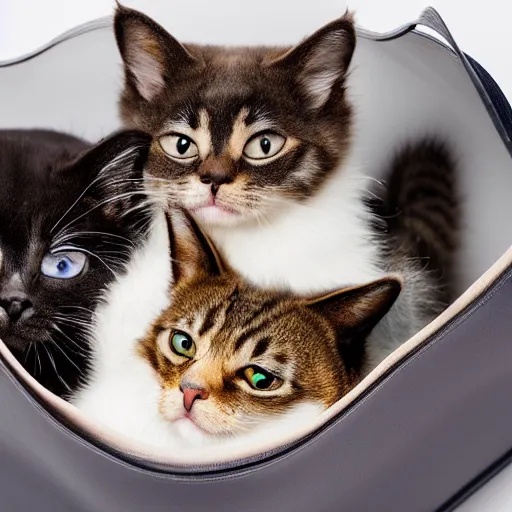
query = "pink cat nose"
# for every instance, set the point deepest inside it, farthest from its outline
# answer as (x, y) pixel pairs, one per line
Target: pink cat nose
(190, 395)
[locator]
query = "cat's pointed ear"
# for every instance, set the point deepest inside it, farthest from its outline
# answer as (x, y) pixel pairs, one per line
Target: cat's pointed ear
(193, 254)
(111, 172)
(354, 312)
(150, 54)
(319, 64)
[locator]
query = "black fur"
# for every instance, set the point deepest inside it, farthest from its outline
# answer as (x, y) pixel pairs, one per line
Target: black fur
(421, 210)
(43, 174)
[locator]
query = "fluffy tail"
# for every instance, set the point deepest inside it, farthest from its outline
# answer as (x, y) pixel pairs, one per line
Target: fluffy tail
(421, 208)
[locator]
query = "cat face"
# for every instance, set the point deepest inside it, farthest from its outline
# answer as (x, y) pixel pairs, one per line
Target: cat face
(70, 216)
(239, 132)
(231, 357)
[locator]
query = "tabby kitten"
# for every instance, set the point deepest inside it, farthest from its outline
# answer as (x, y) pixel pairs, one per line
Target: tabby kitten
(256, 143)
(234, 363)
(71, 217)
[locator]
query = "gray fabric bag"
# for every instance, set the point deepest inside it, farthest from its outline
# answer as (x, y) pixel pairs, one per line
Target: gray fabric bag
(425, 429)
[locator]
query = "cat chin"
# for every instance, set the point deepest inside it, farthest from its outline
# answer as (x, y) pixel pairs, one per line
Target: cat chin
(190, 434)
(189, 441)
(218, 216)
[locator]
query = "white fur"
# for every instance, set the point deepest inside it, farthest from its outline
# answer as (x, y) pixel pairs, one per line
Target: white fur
(123, 391)
(189, 441)
(322, 245)
(315, 246)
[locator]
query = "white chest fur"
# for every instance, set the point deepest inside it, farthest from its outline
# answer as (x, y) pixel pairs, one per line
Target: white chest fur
(320, 245)
(122, 390)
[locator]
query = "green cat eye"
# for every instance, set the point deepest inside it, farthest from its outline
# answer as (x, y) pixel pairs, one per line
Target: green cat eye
(183, 345)
(259, 378)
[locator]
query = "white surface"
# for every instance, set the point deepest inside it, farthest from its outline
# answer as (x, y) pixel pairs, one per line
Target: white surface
(482, 30)
(483, 33)
(496, 496)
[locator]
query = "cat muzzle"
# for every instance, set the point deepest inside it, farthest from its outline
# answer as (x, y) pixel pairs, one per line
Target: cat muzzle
(17, 309)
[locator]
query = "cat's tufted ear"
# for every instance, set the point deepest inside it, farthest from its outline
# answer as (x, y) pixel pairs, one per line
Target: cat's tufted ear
(354, 312)
(193, 254)
(150, 54)
(319, 64)
(111, 172)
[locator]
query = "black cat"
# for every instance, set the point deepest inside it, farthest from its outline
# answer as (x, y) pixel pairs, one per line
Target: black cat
(71, 216)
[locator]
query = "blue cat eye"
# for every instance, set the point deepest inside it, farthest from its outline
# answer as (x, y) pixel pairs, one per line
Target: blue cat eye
(63, 265)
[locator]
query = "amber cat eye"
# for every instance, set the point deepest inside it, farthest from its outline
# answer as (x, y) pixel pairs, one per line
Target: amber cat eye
(264, 145)
(260, 379)
(179, 147)
(182, 344)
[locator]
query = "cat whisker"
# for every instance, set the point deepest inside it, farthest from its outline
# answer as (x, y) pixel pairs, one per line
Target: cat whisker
(142, 224)
(90, 253)
(148, 177)
(74, 204)
(119, 197)
(65, 306)
(55, 344)
(27, 352)
(79, 350)
(143, 205)
(79, 322)
(91, 233)
(96, 180)
(262, 219)
(38, 358)
(72, 322)
(369, 178)
(52, 361)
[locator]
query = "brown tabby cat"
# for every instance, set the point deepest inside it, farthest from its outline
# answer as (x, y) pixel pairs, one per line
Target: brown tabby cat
(235, 360)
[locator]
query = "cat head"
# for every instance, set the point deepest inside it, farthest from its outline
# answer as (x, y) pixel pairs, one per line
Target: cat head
(232, 358)
(239, 133)
(70, 217)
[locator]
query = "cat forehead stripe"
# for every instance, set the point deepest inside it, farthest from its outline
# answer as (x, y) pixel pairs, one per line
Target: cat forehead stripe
(246, 336)
(201, 134)
(245, 126)
(210, 319)
(212, 316)
(257, 321)
(261, 347)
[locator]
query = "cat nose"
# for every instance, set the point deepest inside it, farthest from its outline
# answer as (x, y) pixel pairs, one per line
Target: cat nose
(215, 179)
(15, 306)
(190, 395)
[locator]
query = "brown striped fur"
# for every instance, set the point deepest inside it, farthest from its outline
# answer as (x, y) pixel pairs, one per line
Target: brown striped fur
(314, 346)
(221, 98)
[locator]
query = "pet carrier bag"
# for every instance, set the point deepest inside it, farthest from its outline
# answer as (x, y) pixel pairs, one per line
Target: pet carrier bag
(424, 429)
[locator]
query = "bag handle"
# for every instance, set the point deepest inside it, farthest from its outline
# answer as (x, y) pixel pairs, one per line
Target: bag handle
(492, 96)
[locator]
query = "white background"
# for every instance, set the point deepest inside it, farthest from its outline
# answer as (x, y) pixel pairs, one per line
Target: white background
(482, 30)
